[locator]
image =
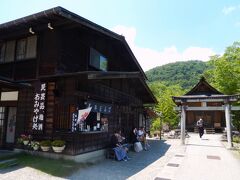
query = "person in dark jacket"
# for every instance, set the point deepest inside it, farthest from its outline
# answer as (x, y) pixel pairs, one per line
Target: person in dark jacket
(200, 127)
(133, 136)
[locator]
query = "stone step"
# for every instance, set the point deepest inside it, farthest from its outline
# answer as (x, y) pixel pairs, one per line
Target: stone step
(207, 130)
(210, 130)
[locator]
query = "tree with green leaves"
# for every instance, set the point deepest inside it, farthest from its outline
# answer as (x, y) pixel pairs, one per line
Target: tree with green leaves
(225, 70)
(165, 104)
(225, 74)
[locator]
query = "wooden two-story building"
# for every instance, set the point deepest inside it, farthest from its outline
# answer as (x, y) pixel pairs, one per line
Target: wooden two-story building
(54, 63)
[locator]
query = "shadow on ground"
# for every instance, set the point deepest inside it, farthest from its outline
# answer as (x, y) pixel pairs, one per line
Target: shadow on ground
(106, 169)
(111, 169)
(58, 168)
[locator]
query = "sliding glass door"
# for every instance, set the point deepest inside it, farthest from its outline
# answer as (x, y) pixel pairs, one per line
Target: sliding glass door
(2, 118)
(11, 124)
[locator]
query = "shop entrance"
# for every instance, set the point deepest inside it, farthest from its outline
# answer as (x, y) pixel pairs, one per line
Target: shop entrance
(7, 125)
(2, 119)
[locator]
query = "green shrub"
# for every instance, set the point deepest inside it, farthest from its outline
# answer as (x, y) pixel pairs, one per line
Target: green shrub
(58, 143)
(236, 139)
(45, 143)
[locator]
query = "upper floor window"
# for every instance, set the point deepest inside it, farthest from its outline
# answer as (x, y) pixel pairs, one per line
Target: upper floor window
(26, 48)
(2, 51)
(7, 51)
(97, 60)
(22, 49)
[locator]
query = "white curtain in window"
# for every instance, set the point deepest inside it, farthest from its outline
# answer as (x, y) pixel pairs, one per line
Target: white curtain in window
(21, 49)
(31, 47)
(9, 53)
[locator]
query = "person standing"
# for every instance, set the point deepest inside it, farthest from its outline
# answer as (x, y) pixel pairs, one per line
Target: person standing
(141, 136)
(200, 127)
(133, 136)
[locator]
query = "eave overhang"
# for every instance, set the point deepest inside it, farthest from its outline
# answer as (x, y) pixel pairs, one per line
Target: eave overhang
(10, 85)
(203, 98)
(148, 97)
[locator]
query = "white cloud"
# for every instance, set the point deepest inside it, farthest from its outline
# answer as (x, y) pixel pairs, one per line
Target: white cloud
(237, 24)
(129, 33)
(228, 10)
(150, 58)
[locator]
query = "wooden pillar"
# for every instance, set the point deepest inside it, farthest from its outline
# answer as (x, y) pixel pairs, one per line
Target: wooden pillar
(228, 124)
(183, 122)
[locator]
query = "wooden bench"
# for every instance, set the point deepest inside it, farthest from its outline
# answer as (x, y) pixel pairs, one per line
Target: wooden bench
(110, 154)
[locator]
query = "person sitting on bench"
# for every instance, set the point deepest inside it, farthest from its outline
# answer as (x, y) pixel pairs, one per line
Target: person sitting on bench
(120, 151)
(122, 140)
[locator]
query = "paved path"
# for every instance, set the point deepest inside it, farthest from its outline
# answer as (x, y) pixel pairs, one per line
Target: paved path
(199, 159)
(208, 159)
(143, 165)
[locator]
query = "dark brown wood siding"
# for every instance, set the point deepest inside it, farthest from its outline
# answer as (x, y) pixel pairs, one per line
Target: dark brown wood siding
(25, 69)
(78, 143)
(50, 104)
(6, 70)
(75, 53)
(50, 52)
(24, 112)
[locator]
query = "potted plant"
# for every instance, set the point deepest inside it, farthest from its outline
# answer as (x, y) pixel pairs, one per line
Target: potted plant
(35, 145)
(58, 146)
(45, 145)
(19, 140)
(25, 139)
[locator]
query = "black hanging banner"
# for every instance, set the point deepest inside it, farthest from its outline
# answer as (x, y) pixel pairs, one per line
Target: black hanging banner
(99, 107)
(39, 107)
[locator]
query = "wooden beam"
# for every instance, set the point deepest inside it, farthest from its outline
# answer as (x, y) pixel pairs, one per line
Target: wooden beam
(113, 76)
(206, 100)
(208, 108)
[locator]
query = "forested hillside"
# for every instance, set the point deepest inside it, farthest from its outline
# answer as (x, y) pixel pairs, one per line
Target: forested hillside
(186, 74)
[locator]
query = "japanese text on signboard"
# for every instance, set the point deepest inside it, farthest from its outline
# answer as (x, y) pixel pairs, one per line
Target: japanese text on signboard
(99, 107)
(74, 121)
(39, 108)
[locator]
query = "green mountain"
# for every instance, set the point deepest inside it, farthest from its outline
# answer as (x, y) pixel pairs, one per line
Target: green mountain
(186, 74)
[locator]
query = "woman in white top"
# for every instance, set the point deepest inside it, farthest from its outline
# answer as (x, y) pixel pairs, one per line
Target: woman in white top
(142, 137)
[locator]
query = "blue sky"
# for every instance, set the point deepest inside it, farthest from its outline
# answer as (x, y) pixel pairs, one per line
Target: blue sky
(158, 31)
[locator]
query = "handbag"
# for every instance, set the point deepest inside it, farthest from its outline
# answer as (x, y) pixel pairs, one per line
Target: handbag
(138, 147)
